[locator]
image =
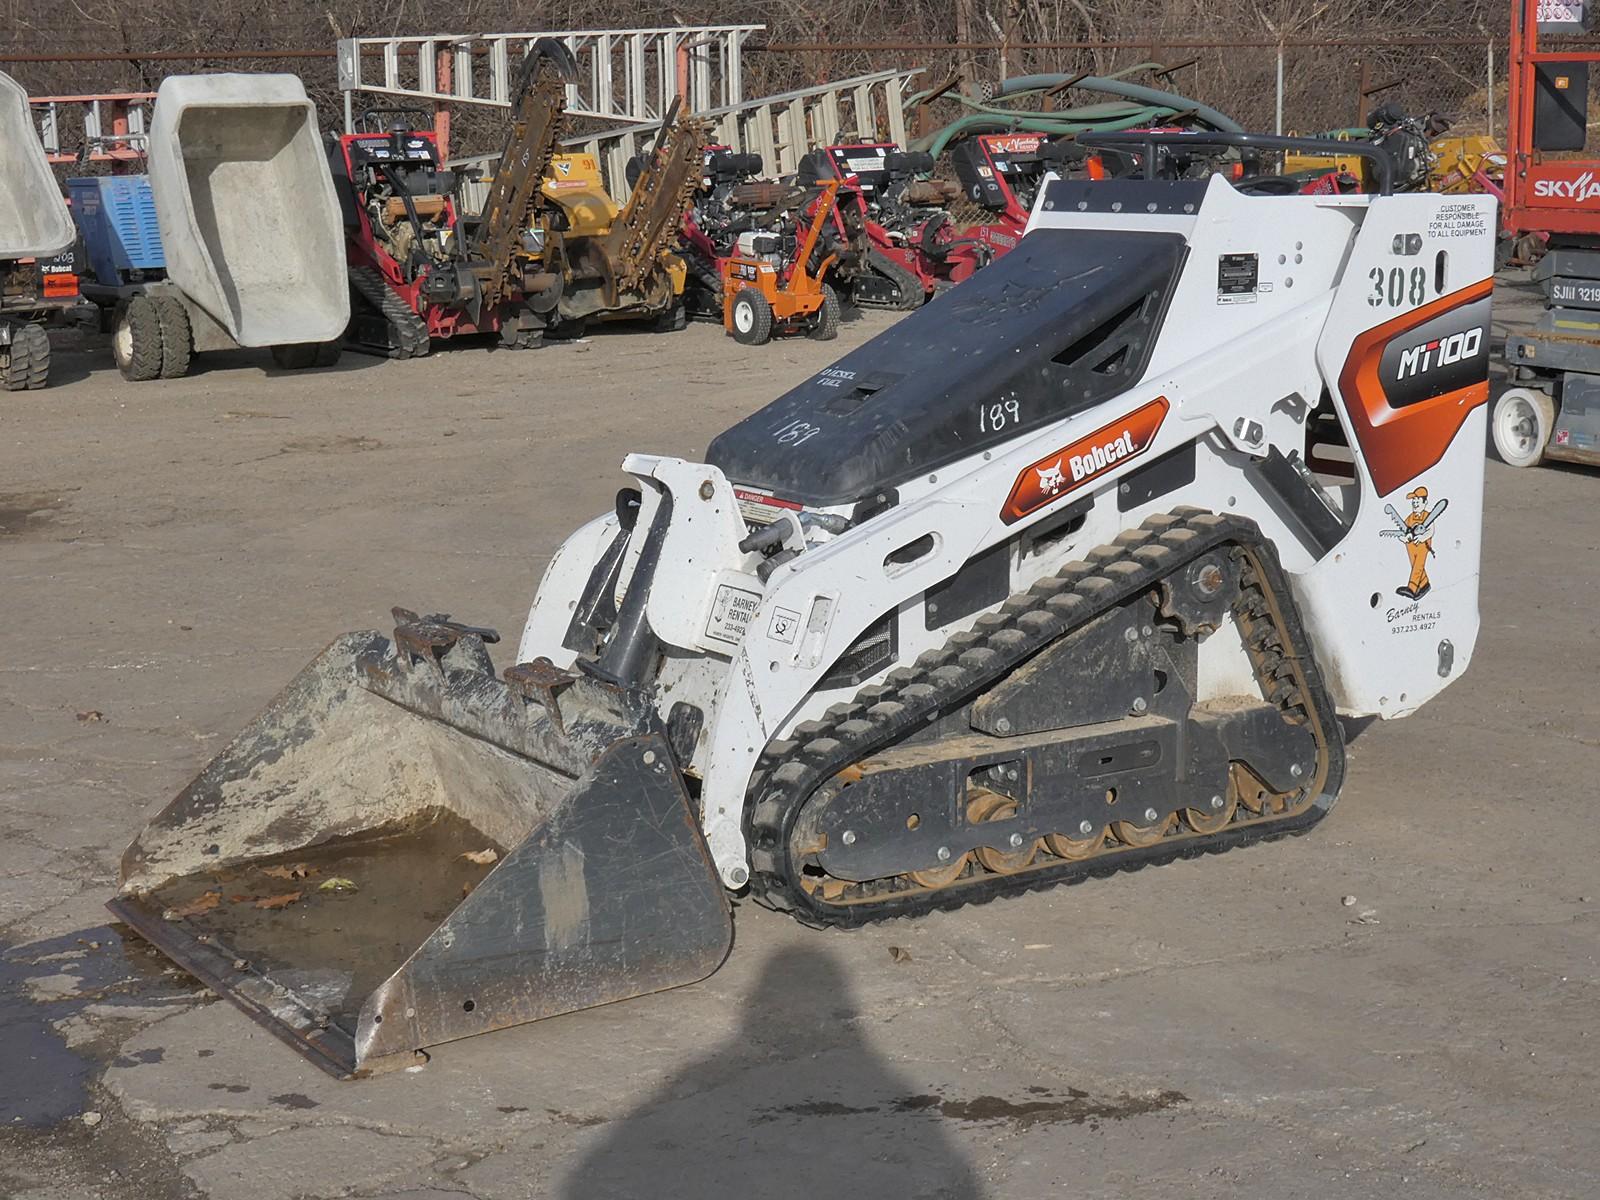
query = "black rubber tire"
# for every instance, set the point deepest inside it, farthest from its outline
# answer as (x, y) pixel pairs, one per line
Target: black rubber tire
(328, 353)
(752, 318)
(297, 356)
(825, 325)
(27, 366)
(136, 339)
(177, 338)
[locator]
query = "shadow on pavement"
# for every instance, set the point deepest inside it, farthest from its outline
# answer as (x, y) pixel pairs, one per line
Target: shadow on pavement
(796, 1104)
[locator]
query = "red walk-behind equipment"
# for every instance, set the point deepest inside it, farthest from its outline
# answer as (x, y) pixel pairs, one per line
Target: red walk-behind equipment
(902, 244)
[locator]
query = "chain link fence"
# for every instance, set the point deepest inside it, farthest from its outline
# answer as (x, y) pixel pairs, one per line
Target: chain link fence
(1304, 86)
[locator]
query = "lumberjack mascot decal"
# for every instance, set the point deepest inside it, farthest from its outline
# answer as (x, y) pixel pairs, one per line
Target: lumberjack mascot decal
(1415, 530)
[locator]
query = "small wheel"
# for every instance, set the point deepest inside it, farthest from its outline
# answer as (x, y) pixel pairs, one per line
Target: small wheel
(1076, 848)
(1522, 422)
(825, 326)
(136, 339)
(1141, 835)
(1209, 819)
(27, 366)
(328, 353)
(752, 318)
(992, 806)
(1246, 788)
(177, 337)
(296, 356)
(938, 877)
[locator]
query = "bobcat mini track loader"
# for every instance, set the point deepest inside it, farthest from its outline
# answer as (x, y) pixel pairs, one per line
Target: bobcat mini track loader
(1073, 569)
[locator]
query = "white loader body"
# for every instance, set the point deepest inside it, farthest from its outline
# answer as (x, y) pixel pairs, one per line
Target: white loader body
(1070, 571)
(1241, 369)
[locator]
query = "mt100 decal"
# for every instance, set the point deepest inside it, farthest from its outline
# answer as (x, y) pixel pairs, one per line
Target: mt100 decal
(1443, 355)
(1410, 383)
(1069, 468)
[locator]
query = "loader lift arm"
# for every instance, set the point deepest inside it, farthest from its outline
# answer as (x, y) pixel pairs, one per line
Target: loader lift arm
(536, 123)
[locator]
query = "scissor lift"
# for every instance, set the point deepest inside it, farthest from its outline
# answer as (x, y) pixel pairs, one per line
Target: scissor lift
(1552, 190)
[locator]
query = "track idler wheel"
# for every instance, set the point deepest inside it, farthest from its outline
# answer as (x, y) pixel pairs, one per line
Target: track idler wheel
(942, 876)
(1076, 848)
(1254, 795)
(1215, 816)
(1148, 834)
(992, 806)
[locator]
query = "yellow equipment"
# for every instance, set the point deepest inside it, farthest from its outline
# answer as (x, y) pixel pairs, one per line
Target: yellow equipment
(1461, 163)
(617, 263)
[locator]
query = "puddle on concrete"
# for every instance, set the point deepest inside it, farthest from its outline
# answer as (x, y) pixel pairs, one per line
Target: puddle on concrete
(1073, 1108)
(336, 946)
(337, 444)
(24, 512)
(42, 983)
(1049, 1107)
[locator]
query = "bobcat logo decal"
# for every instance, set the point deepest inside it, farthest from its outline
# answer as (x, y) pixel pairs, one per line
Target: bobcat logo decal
(1087, 459)
(1051, 479)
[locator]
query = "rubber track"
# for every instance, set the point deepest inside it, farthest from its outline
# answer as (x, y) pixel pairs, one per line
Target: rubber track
(411, 332)
(912, 295)
(970, 662)
(708, 278)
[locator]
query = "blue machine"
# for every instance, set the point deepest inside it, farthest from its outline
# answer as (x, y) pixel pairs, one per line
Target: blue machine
(117, 217)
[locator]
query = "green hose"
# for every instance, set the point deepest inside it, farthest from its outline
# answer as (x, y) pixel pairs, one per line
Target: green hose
(1136, 105)
(936, 143)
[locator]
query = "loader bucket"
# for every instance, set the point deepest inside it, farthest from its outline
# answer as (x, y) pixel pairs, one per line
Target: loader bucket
(402, 850)
(249, 219)
(34, 221)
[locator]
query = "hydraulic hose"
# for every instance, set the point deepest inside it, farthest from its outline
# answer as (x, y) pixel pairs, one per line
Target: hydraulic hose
(1152, 104)
(1054, 123)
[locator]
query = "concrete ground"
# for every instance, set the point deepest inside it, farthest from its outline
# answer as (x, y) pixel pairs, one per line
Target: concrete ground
(172, 553)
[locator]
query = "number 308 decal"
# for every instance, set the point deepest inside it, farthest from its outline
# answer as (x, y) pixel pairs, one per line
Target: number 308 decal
(1397, 286)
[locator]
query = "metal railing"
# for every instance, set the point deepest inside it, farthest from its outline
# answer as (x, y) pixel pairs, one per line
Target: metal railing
(629, 75)
(779, 128)
(104, 128)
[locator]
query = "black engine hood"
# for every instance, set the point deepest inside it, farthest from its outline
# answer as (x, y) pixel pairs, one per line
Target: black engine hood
(1058, 325)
